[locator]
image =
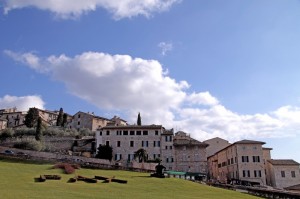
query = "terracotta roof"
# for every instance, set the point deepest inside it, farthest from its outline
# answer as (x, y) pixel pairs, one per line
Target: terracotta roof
(249, 142)
(283, 162)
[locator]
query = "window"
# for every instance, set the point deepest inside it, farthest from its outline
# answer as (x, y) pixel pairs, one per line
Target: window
(100, 133)
(170, 147)
(144, 143)
(145, 132)
(118, 143)
(172, 159)
(119, 132)
(166, 147)
(235, 160)
(78, 123)
(131, 143)
(131, 132)
(156, 144)
(245, 159)
(231, 160)
(228, 162)
(167, 160)
(138, 133)
(223, 164)
(156, 132)
(246, 173)
(293, 174)
(107, 143)
(107, 132)
(219, 165)
(283, 174)
(257, 173)
(78, 115)
(168, 138)
(256, 159)
(125, 132)
(118, 157)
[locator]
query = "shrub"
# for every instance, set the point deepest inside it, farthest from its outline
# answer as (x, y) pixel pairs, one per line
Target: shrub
(29, 144)
(54, 132)
(6, 133)
(24, 132)
(85, 132)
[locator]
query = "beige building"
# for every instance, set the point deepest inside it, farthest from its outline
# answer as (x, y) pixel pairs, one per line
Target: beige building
(190, 154)
(215, 145)
(126, 140)
(87, 120)
(3, 124)
(13, 117)
(283, 173)
(49, 117)
(241, 162)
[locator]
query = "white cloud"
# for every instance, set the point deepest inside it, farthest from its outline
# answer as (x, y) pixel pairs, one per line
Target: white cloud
(132, 85)
(22, 103)
(74, 8)
(165, 47)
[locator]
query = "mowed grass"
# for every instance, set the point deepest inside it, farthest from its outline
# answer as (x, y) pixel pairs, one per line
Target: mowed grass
(17, 181)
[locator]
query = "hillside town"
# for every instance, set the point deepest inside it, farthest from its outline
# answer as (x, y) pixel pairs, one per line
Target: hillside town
(245, 162)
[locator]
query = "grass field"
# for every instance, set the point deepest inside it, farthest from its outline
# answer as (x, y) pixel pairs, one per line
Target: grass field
(17, 181)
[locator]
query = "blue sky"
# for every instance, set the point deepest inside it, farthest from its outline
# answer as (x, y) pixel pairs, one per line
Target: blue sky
(209, 68)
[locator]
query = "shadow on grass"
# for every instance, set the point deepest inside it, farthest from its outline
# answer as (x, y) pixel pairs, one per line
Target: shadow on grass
(38, 180)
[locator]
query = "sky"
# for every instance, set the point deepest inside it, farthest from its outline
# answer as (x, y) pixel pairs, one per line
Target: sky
(210, 68)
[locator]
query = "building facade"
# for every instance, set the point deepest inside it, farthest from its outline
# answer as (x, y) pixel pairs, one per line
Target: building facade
(3, 124)
(241, 162)
(190, 154)
(126, 140)
(215, 145)
(283, 173)
(83, 120)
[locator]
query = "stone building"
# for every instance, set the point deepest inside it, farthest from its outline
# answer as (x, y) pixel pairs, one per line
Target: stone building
(87, 120)
(215, 145)
(3, 124)
(190, 154)
(126, 140)
(283, 173)
(241, 162)
(13, 117)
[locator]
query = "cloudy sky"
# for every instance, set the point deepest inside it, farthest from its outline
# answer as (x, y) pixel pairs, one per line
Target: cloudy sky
(210, 68)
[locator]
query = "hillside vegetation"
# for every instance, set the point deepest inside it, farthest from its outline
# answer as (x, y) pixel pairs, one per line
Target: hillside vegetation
(17, 181)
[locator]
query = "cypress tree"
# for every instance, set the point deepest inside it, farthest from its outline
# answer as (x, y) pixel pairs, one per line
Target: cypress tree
(38, 132)
(139, 120)
(59, 121)
(65, 120)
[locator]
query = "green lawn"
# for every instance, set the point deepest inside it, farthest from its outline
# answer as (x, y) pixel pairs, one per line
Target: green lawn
(17, 181)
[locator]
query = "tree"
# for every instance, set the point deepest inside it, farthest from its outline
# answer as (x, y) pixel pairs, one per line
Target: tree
(141, 154)
(38, 132)
(59, 121)
(65, 119)
(139, 120)
(104, 152)
(31, 117)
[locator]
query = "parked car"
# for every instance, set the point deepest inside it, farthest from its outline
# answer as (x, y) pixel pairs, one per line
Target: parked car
(8, 152)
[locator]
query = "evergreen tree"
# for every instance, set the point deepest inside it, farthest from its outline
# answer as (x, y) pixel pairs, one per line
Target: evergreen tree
(139, 120)
(59, 121)
(65, 119)
(104, 152)
(38, 132)
(31, 117)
